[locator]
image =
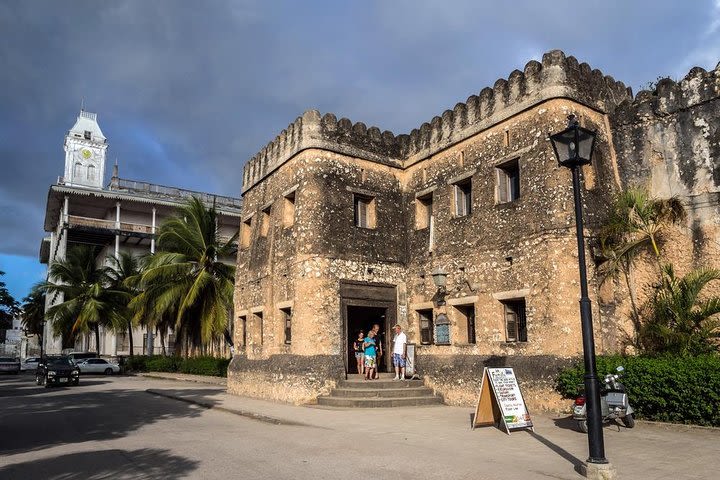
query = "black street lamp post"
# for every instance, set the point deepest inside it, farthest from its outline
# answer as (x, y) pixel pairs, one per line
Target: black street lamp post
(573, 148)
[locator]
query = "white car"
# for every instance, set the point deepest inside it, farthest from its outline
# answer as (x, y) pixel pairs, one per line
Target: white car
(98, 365)
(29, 363)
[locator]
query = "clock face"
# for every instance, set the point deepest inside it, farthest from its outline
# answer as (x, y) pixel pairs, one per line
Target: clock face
(86, 153)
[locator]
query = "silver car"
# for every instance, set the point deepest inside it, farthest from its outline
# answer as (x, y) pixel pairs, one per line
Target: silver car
(29, 363)
(9, 365)
(98, 365)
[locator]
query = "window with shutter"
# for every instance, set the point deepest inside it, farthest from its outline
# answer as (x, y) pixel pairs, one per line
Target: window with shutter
(364, 209)
(463, 198)
(515, 321)
(426, 326)
(508, 181)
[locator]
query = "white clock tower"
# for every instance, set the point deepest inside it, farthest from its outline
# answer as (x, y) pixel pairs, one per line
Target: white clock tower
(85, 150)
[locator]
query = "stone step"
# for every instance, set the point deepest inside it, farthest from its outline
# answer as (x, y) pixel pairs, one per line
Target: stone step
(382, 392)
(379, 384)
(355, 402)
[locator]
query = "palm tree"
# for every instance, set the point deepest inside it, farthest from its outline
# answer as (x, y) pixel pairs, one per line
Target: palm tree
(33, 311)
(636, 224)
(87, 299)
(682, 322)
(186, 280)
(122, 268)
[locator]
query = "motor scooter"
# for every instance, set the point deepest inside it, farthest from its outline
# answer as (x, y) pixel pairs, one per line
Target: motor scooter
(614, 403)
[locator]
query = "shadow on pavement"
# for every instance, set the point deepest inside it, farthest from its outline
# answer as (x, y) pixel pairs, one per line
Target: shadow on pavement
(148, 463)
(566, 423)
(576, 462)
(32, 421)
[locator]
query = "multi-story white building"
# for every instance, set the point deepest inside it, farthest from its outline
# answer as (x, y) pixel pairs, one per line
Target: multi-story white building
(121, 216)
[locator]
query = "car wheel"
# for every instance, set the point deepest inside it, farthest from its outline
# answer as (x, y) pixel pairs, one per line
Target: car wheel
(629, 420)
(108, 371)
(76, 382)
(582, 426)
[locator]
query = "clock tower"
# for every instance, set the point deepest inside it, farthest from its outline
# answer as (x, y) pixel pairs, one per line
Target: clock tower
(85, 150)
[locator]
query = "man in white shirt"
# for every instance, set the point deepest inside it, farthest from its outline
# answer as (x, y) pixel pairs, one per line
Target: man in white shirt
(399, 352)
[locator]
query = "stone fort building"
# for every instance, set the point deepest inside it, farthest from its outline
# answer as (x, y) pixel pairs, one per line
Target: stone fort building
(343, 225)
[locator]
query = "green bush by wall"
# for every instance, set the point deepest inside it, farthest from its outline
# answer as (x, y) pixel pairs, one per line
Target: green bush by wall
(666, 389)
(196, 365)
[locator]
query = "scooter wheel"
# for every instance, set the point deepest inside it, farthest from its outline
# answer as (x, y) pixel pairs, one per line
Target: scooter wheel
(629, 420)
(582, 426)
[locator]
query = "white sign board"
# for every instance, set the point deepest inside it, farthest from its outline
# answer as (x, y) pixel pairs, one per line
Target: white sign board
(501, 401)
(509, 397)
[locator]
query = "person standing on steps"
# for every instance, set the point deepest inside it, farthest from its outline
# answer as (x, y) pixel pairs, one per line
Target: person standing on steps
(359, 352)
(399, 353)
(370, 355)
(379, 349)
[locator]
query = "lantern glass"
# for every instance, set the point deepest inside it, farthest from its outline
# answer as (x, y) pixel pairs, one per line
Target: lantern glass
(439, 277)
(573, 146)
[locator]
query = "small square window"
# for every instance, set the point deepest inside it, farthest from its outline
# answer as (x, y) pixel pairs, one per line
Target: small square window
(364, 209)
(289, 209)
(265, 222)
(87, 135)
(426, 326)
(423, 211)
(463, 198)
(515, 321)
(287, 320)
(508, 182)
(246, 233)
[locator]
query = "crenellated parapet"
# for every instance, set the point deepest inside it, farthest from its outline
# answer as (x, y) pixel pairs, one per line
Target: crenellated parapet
(668, 97)
(557, 76)
(326, 132)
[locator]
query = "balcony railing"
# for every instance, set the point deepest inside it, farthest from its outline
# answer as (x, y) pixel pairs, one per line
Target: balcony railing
(74, 220)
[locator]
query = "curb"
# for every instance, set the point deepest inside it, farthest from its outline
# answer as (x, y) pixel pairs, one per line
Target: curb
(210, 380)
(242, 413)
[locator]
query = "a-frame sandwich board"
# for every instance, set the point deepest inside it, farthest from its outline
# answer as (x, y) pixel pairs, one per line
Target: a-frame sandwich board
(491, 410)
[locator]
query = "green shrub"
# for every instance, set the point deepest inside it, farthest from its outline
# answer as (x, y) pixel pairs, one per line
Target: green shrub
(136, 363)
(195, 365)
(205, 366)
(667, 389)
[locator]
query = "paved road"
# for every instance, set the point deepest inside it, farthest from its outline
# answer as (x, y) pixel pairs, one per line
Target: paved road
(110, 427)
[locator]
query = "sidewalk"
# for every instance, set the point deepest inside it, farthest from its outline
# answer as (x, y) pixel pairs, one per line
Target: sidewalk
(553, 450)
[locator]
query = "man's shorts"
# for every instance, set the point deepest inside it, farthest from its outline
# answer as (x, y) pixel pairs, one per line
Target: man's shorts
(398, 360)
(369, 361)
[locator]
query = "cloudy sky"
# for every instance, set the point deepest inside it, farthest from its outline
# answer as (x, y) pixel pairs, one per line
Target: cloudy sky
(187, 91)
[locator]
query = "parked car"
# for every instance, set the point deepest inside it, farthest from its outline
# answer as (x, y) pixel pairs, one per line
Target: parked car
(57, 371)
(10, 365)
(98, 365)
(77, 357)
(30, 363)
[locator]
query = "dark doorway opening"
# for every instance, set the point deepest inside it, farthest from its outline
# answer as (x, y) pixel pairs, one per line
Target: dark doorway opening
(363, 318)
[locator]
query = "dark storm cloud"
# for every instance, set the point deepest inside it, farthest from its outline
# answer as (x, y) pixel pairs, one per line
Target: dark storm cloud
(187, 91)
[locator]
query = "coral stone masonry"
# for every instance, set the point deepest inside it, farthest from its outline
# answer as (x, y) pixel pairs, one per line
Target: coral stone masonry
(343, 226)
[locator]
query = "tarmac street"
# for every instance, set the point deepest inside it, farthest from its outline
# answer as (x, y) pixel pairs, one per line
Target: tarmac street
(150, 428)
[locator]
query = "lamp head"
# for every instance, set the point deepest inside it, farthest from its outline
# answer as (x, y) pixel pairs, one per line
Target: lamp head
(439, 277)
(574, 145)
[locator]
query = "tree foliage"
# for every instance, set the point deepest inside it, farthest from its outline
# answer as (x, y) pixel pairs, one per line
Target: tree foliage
(9, 307)
(88, 300)
(33, 311)
(681, 321)
(186, 282)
